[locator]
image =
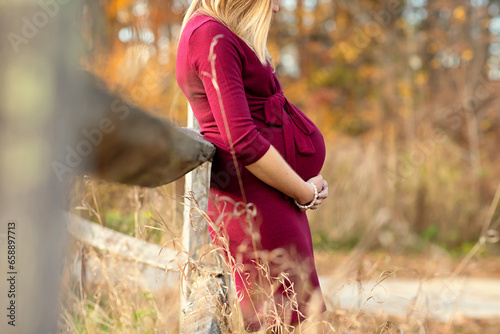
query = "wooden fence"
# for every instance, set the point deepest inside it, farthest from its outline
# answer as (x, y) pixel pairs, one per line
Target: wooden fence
(204, 299)
(58, 120)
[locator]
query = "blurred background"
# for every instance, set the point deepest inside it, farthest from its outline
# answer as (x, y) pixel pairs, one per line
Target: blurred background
(406, 96)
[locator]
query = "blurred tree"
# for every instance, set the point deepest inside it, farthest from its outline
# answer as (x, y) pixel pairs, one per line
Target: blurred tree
(133, 50)
(405, 75)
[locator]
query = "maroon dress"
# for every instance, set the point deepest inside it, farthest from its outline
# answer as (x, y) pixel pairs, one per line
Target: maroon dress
(264, 237)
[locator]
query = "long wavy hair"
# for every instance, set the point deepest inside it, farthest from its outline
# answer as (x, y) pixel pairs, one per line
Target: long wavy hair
(249, 19)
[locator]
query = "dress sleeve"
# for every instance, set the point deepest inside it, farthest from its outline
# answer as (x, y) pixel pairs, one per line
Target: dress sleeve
(233, 117)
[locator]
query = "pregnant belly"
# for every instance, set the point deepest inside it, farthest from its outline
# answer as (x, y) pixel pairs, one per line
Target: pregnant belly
(307, 165)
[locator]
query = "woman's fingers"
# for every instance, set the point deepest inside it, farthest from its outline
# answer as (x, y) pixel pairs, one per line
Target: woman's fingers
(322, 186)
(318, 181)
(321, 196)
(318, 202)
(324, 193)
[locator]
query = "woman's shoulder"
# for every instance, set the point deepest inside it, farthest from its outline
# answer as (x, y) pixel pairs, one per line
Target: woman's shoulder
(206, 26)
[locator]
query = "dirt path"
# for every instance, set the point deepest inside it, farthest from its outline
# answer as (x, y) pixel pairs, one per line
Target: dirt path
(439, 299)
(421, 285)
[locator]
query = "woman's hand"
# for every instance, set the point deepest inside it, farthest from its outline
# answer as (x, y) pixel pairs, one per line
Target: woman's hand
(322, 195)
(273, 170)
(309, 196)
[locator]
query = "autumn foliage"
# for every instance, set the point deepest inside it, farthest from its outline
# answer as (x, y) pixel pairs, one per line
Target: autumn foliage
(405, 92)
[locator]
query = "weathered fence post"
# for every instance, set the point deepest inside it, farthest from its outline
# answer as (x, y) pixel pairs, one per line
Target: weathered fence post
(197, 182)
(204, 296)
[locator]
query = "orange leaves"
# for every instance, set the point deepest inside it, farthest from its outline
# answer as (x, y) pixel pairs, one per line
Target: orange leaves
(460, 14)
(367, 71)
(115, 6)
(404, 89)
(467, 54)
(421, 78)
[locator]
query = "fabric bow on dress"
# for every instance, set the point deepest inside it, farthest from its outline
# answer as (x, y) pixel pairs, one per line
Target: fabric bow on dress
(297, 128)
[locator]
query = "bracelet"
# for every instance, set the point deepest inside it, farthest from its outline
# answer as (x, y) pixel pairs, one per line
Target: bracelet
(308, 206)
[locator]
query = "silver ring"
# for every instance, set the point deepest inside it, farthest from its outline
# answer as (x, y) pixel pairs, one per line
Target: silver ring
(314, 208)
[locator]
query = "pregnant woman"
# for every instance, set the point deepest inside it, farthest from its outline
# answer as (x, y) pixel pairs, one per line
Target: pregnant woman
(265, 173)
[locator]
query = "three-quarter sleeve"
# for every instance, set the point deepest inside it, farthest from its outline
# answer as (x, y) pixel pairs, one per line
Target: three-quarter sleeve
(228, 103)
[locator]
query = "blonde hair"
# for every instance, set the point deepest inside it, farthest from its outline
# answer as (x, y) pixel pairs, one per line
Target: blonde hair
(249, 19)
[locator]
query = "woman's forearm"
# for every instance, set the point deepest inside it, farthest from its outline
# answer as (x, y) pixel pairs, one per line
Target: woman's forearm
(273, 170)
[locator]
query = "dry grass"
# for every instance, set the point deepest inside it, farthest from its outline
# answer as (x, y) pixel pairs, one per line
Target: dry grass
(126, 305)
(435, 200)
(111, 304)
